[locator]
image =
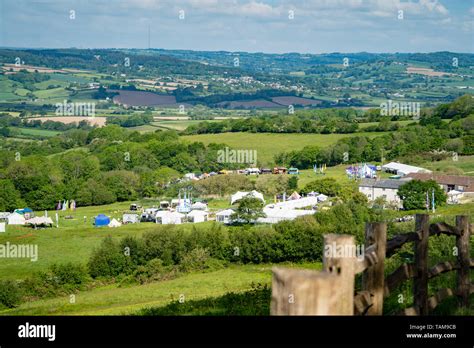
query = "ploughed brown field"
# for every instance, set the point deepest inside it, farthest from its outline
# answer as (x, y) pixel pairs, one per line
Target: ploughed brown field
(141, 98)
(276, 102)
(246, 104)
(290, 100)
(426, 71)
(95, 121)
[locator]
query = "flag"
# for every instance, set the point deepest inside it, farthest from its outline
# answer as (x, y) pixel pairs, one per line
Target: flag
(433, 200)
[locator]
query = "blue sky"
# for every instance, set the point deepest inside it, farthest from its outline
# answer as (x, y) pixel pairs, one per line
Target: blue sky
(274, 26)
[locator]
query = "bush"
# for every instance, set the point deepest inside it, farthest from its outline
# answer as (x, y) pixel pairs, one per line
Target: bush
(109, 260)
(198, 260)
(69, 274)
(59, 279)
(10, 294)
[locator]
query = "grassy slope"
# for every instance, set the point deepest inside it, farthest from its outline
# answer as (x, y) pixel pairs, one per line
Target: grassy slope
(111, 300)
(270, 144)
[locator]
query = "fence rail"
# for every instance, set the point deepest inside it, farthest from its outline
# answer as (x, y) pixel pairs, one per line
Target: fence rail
(332, 290)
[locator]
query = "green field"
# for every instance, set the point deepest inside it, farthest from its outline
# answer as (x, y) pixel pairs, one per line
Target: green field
(75, 240)
(464, 163)
(37, 132)
(270, 144)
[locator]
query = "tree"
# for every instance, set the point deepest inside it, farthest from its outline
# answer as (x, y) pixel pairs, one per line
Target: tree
(10, 198)
(272, 184)
(249, 210)
(327, 186)
(293, 183)
(413, 194)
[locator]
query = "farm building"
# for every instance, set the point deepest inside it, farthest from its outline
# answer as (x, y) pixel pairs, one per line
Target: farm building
(461, 186)
(16, 219)
(198, 216)
(166, 217)
(101, 220)
(401, 169)
(447, 182)
(387, 189)
(225, 216)
(239, 195)
(129, 218)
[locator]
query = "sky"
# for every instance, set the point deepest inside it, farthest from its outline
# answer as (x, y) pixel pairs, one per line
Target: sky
(270, 26)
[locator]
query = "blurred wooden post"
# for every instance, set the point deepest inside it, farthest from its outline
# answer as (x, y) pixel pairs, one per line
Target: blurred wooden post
(462, 244)
(373, 276)
(303, 292)
(420, 284)
(339, 259)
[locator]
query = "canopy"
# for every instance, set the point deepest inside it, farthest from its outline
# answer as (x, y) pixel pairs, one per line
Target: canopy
(40, 220)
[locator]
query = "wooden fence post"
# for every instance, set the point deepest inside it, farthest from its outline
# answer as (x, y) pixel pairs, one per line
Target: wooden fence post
(420, 281)
(462, 244)
(339, 258)
(373, 276)
(304, 292)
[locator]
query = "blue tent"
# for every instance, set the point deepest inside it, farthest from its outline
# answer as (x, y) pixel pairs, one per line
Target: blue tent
(23, 211)
(101, 220)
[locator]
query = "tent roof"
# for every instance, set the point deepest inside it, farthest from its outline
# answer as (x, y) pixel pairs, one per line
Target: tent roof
(114, 223)
(225, 212)
(197, 213)
(40, 220)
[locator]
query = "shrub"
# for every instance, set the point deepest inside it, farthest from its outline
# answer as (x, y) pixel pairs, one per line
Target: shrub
(109, 260)
(10, 293)
(69, 274)
(167, 244)
(59, 279)
(197, 260)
